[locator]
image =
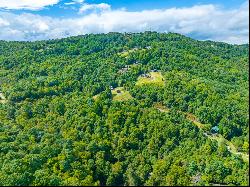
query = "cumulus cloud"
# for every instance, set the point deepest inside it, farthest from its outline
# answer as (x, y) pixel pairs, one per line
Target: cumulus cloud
(100, 7)
(73, 2)
(26, 4)
(205, 22)
(3, 22)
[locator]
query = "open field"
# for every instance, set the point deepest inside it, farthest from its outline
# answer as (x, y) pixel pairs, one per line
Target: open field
(120, 94)
(2, 98)
(151, 78)
(126, 53)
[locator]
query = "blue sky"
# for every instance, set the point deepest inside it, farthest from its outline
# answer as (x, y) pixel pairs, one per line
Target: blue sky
(58, 10)
(219, 20)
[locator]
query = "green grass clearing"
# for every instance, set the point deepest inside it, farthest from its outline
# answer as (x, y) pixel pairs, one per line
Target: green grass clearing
(152, 78)
(2, 98)
(126, 53)
(120, 94)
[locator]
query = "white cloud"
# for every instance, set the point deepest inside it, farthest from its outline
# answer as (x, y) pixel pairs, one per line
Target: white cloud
(200, 22)
(4, 22)
(26, 4)
(70, 3)
(100, 7)
(73, 2)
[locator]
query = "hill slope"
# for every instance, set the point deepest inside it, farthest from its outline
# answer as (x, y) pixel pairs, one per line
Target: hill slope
(72, 111)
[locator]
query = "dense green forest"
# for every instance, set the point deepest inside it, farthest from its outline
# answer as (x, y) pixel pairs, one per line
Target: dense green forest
(124, 109)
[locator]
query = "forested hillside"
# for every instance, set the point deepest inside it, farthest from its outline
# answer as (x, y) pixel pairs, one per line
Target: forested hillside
(124, 109)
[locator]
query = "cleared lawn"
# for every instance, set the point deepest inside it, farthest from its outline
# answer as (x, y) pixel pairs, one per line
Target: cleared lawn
(2, 98)
(126, 53)
(120, 94)
(153, 78)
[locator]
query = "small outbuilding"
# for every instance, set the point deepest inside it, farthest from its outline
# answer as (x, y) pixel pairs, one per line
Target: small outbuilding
(215, 129)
